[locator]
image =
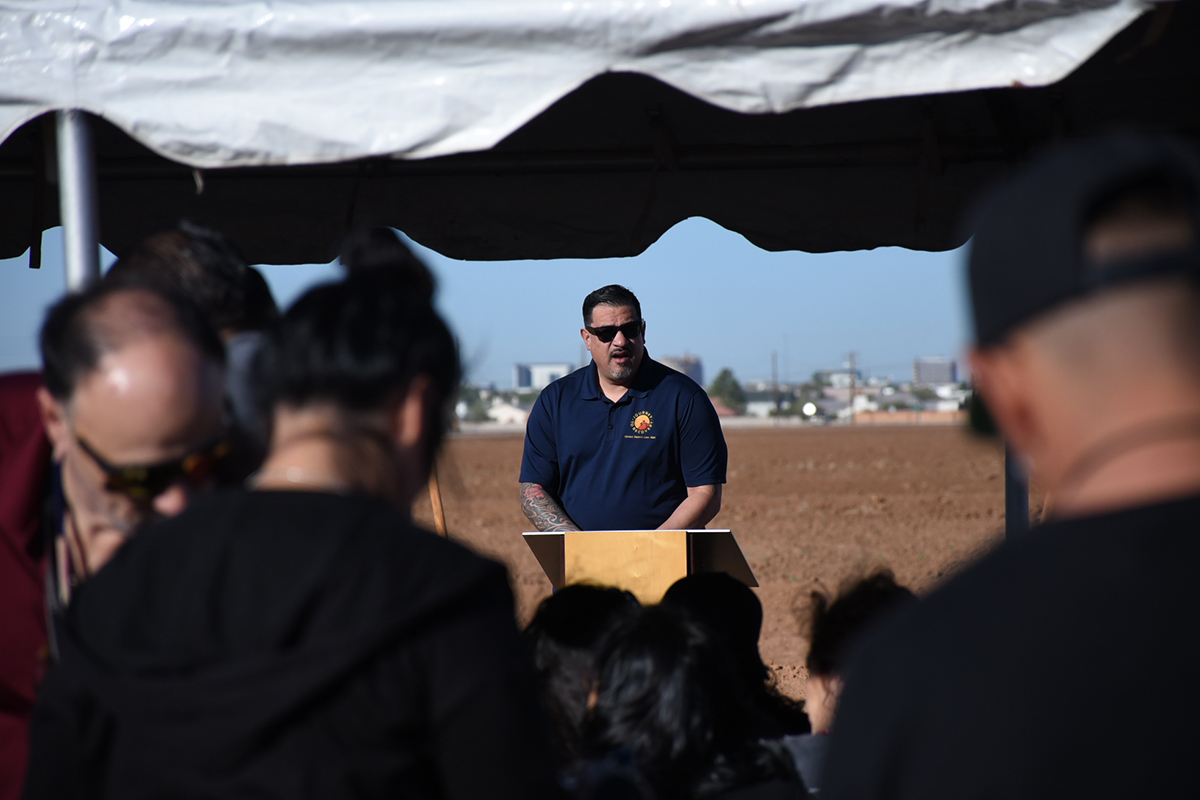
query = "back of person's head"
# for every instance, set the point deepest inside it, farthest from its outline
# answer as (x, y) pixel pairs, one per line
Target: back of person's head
(1087, 220)
(1142, 326)
(1084, 273)
(667, 693)
(563, 637)
(611, 295)
(358, 345)
(732, 611)
(202, 264)
(374, 248)
(82, 327)
(836, 623)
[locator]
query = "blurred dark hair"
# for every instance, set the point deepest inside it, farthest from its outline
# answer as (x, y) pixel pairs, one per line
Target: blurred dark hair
(77, 332)
(202, 264)
(732, 611)
(668, 695)
(834, 625)
(358, 344)
(611, 295)
(563, 638)
(369, 249)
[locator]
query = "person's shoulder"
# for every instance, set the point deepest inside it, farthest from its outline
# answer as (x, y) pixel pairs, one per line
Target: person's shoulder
(1056, 565)
(289, 550)
(563, 389)
(571, 382)
(673, 381)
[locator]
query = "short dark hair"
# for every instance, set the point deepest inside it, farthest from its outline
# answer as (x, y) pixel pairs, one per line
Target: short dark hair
(732, 611)
(611, 295)
(835, 625)
(668, 695)
(563, 638)
(358, 344)
(202, 264)
(381, 249)
(75, 334)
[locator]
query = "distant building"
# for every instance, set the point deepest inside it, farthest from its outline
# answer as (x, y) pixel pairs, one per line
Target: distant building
(508, 413)
(535, 377)
(840, 378)
(688, 365)
(934, 370)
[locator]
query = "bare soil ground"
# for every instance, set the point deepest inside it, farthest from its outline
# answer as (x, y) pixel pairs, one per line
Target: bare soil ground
(811, 507)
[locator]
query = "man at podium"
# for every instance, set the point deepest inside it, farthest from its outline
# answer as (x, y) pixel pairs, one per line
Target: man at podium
(624, 443)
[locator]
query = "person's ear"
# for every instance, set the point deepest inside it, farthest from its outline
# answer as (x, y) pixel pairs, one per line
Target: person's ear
(1000, 375)
(833, 690)
(54, 421)
(411, 417)
(587, 340)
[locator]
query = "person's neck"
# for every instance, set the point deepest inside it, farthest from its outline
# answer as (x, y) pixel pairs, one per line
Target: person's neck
(312, 449)
(1148, 458)
(612, 390)
(615, 390)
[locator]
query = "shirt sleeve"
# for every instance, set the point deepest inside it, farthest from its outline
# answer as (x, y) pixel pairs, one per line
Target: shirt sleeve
(703, 453)
(539, 464)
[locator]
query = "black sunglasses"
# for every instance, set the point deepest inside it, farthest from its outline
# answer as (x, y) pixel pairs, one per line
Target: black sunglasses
(145, 482)
(606, 333)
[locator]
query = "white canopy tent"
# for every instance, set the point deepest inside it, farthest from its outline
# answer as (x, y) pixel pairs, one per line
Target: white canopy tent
(539, 128)
(227, 84)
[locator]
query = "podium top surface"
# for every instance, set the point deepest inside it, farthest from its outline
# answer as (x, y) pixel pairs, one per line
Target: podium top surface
(710, 550)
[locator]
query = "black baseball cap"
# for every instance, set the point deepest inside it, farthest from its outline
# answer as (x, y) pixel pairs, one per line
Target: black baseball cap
(1027, 256)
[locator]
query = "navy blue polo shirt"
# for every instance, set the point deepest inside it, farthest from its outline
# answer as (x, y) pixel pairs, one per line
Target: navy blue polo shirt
(623, 465)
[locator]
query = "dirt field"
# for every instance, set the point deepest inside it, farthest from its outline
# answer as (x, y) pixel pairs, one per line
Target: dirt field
(809, 506)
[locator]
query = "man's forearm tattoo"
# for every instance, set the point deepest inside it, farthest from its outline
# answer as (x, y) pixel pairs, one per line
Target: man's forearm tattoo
(543, 510)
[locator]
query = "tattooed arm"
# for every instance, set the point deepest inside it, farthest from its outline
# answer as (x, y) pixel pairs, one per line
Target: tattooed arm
(543, 510)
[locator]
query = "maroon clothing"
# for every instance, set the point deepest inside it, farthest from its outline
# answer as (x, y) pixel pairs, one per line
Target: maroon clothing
(24, 466)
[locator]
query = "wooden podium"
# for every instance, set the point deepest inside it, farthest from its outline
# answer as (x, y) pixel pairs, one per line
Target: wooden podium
(645, 563)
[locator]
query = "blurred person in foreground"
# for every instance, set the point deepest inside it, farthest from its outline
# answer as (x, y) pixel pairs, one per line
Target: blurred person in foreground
(834, 626)
(132, 405)
(1083, 277)
(302, 638)
(563, 638)
(733, 612)
(203, 265)
(667, 698)
(121, 427)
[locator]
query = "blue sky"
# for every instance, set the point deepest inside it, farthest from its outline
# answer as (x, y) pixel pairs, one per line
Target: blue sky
(704, 291)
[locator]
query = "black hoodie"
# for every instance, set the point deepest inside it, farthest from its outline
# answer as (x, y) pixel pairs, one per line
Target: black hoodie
(291, 645)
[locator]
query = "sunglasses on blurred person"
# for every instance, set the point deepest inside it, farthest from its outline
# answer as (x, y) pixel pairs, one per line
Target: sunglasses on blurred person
(144, 482)
(606, 333)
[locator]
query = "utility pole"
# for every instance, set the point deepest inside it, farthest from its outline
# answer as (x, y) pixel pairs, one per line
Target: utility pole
(775, 382)
(853, 385)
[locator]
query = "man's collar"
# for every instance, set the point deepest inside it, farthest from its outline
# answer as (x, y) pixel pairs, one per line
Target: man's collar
(643, 381)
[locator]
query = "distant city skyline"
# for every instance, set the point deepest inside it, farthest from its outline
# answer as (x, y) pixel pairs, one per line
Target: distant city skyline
(705, 291)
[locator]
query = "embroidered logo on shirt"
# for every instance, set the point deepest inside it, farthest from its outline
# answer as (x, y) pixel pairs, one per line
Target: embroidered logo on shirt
(642, 422)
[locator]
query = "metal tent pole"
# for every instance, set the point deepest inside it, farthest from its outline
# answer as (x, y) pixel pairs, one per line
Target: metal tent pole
(1016, 497)
(77, 198)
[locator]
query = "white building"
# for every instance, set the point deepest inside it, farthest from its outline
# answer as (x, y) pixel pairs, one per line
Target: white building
(535, 377)
(508, 414)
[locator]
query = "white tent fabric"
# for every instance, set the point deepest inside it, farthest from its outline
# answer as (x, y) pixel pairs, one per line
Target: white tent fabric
(214, 83)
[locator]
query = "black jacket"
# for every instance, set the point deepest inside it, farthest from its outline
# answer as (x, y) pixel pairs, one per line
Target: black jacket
(291, 645)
